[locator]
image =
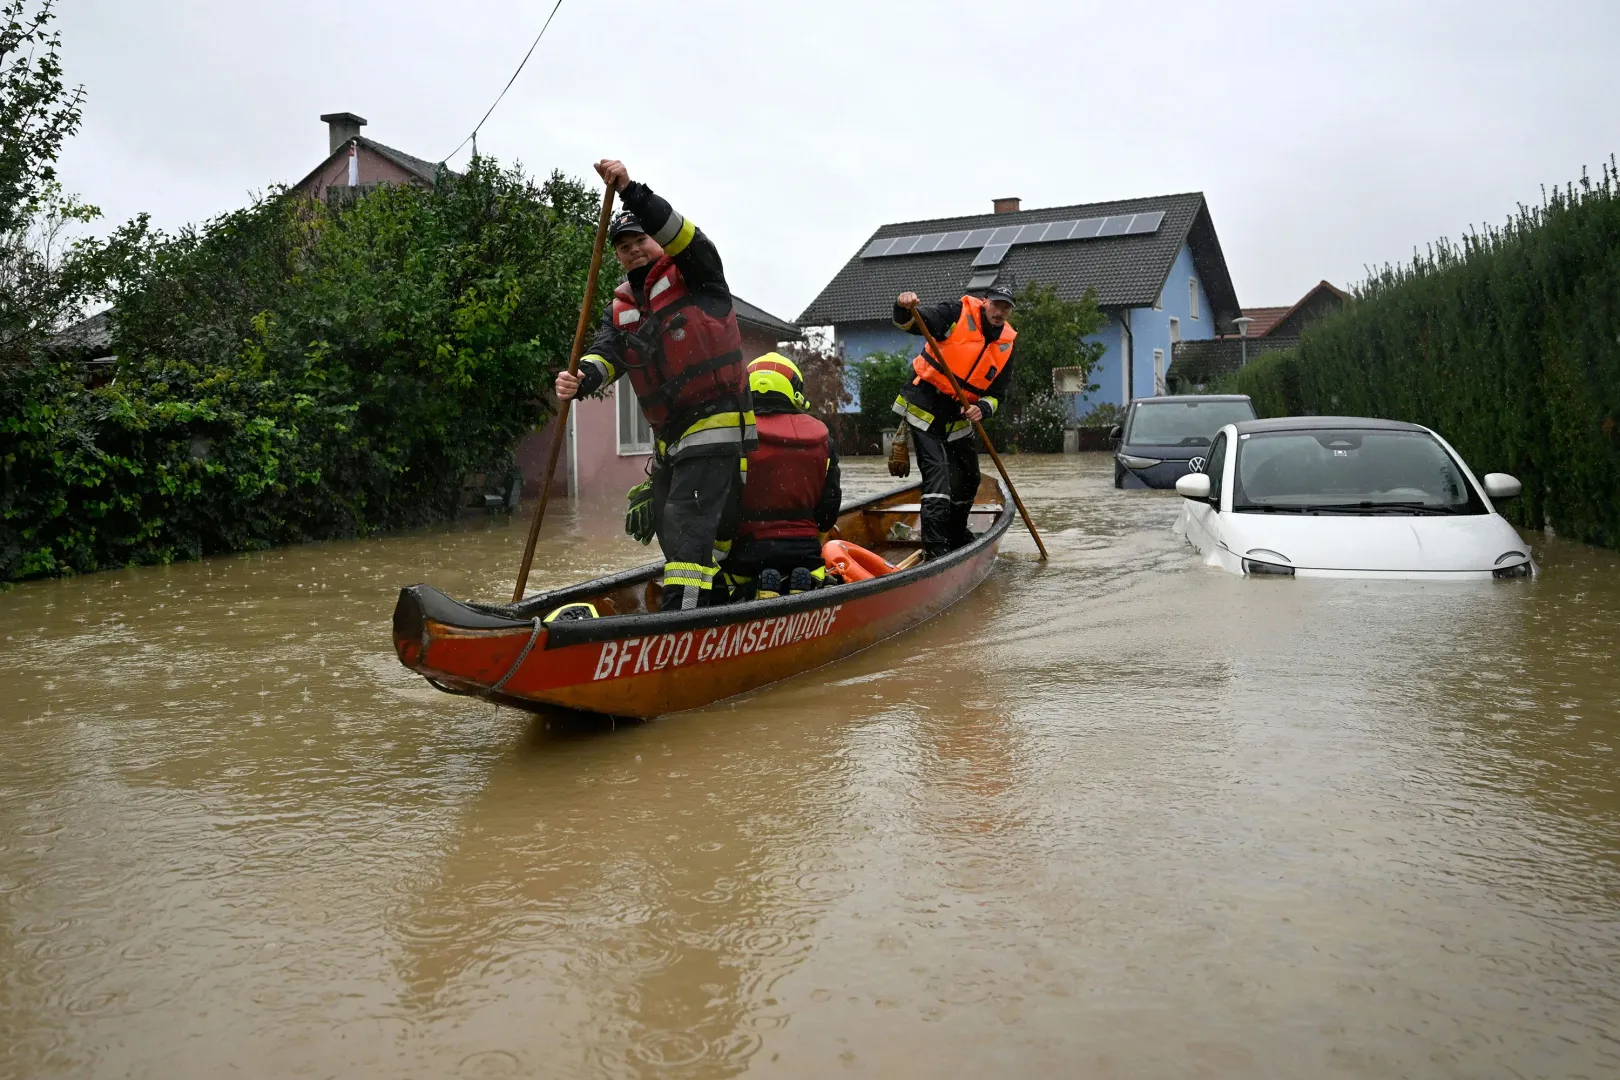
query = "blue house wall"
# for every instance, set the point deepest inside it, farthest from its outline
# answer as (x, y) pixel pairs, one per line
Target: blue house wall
(860, 340)
(1149, 329)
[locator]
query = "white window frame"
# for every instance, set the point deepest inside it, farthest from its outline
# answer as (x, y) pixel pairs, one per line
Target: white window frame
(1192, 298)
(1158, 372)
(631, 447)
(1175, 331)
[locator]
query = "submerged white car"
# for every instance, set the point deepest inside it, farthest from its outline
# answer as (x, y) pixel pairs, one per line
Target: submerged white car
(1336, 496)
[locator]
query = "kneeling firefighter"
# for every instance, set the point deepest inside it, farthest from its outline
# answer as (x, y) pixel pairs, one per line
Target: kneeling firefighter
(672, 329)
(793, 491)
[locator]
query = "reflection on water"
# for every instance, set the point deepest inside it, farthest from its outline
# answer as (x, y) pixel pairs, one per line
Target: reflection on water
(1115, 815)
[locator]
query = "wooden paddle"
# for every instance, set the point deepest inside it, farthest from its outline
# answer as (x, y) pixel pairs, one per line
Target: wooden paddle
(581, 331)
(938, 359)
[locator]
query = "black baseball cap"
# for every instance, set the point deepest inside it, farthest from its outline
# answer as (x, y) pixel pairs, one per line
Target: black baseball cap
(624, 222)
(998, 291)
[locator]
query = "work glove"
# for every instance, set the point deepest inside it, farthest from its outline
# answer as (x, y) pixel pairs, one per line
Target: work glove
(638, 520)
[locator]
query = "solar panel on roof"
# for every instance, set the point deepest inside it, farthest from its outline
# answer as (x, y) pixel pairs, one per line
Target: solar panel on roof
(982, 279)
(994, 242)
(1142, 224)
(991, 255)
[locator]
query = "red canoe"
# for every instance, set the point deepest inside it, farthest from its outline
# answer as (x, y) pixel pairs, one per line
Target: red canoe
(636, 661)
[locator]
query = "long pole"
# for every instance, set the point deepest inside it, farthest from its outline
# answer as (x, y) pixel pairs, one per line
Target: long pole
(580, 332)
(939, 362)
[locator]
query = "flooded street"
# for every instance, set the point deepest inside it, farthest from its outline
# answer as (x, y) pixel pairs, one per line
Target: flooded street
(1119, 815)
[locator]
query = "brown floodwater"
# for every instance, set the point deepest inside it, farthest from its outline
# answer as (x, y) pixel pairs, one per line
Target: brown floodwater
(1118, 815)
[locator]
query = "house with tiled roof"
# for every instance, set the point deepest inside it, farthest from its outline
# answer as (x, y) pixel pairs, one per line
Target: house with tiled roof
(1155, 263)
(1195, 365)
(355, 164)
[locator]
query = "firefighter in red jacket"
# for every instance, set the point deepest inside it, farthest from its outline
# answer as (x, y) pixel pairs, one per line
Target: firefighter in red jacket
(672, 330)
(793, 493)
(977, 342)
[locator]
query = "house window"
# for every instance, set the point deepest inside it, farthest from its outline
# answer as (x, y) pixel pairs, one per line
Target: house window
(1158, 371)
(635, 435)
(1192, 297)
(1175, 330)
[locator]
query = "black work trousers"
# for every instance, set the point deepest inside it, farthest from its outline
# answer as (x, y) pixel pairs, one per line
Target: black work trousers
(950, 481)
(784, 555)
(697, 502)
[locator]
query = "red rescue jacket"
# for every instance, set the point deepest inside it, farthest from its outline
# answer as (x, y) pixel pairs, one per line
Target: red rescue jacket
(683, 362)
(785, 478)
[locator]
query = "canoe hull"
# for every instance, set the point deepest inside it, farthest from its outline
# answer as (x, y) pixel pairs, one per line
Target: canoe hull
(650, 663)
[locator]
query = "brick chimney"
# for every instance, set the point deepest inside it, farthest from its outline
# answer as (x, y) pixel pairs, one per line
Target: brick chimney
(344, 126)
(1003, 206)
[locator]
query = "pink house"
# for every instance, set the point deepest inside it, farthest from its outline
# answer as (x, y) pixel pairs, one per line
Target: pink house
(358, 164)
(608, 443)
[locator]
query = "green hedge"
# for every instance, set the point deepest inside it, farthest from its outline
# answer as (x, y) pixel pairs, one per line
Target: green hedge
(1508, 344)
(292, 372)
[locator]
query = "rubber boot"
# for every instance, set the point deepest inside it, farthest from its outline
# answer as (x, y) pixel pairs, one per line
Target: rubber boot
(800, 580)
(770, 585)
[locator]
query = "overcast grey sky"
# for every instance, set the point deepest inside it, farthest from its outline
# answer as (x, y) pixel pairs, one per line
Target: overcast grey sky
(1325, 137)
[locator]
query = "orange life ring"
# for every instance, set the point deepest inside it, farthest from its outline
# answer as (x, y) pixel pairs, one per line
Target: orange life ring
(853, 562)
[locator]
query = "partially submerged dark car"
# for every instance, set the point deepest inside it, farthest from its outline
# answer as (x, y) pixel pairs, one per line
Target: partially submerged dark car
(1165, 438)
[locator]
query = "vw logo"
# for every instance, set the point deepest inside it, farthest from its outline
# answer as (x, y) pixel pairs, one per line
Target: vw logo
(1196, 464)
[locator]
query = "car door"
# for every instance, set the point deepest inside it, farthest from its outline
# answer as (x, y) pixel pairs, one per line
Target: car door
(1203, 518)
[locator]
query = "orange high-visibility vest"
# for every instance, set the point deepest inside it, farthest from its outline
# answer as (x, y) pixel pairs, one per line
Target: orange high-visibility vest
(971, 359)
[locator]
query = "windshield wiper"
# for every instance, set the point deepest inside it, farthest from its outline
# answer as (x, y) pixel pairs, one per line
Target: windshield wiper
(1412, 508)
(1406, 508)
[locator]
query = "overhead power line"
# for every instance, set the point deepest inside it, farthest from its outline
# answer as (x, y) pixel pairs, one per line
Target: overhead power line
(474, 133)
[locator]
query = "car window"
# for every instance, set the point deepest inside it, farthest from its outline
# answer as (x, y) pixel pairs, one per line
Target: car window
(1215, 467)
(1183, 423)
(1350, 471)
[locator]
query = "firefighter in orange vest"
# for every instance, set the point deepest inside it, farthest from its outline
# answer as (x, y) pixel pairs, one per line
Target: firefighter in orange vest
(977, 341)
(672, 330)
(793, 493)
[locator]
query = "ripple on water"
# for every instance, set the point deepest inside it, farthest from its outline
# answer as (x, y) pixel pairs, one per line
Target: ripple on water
(1115, 807)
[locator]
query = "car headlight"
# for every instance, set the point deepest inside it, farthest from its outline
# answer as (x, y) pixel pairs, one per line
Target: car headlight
(1268, 563)
(1132, 462)
(1517, 570)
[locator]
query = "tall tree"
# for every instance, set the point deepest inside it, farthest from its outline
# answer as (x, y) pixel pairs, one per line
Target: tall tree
(42, 278)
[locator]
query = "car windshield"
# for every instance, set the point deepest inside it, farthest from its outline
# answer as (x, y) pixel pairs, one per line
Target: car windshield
(1349, 471)
(1183, 423)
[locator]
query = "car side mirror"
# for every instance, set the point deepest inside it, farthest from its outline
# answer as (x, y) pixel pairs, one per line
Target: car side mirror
(1499, 485)
(1194, 485)
(1114, 434)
